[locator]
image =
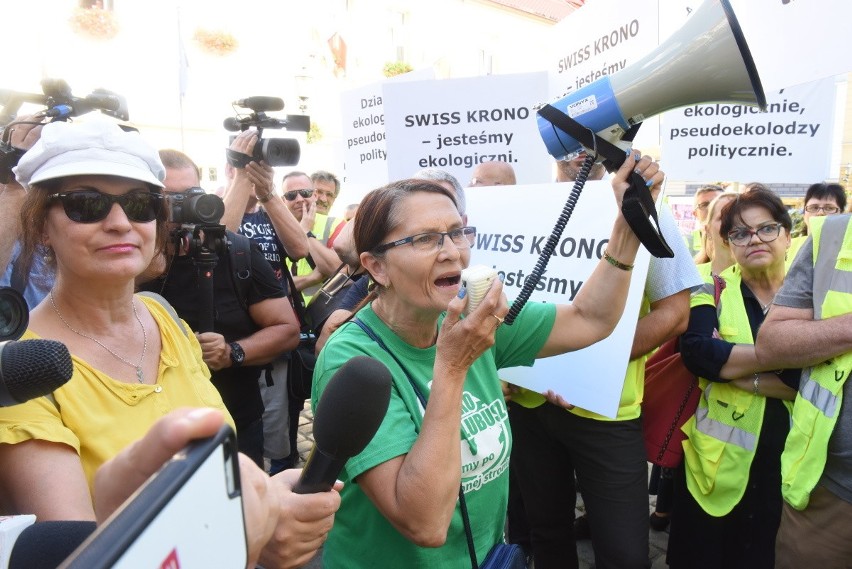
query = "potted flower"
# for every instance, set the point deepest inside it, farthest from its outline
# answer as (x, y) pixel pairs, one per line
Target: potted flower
(393, 68)
(94, 22)
(216, 42)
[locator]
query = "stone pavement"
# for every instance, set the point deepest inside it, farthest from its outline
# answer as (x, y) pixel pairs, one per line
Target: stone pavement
(658, 540)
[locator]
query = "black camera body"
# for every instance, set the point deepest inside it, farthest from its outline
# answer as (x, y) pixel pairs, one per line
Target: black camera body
(195, 206)
(273, 151)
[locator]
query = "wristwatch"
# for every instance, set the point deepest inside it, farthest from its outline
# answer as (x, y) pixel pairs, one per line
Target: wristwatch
(265, 197)
(238, 356)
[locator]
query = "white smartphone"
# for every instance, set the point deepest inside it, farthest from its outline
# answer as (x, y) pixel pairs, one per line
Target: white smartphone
(189, 514)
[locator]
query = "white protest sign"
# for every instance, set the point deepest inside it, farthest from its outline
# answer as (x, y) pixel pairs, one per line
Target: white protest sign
(796, 41)
(599, 39)
(365, 164)
(513, 224)
(790, 142)
(455, 124)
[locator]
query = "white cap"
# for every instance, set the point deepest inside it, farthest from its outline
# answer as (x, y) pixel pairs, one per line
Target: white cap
(94, 147)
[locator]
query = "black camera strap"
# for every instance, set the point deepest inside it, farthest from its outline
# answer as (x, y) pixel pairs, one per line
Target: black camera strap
(637, 206)
(237, 159)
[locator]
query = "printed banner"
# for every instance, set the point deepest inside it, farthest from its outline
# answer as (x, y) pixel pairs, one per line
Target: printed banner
(365, 164)
(796, 41)
(790, 142)
(455, 124)
(513, 225)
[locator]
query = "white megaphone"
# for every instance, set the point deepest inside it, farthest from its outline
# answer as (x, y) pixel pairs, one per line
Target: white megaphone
(707, 60)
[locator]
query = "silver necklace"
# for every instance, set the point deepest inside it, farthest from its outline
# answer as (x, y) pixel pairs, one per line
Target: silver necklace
(138, 368)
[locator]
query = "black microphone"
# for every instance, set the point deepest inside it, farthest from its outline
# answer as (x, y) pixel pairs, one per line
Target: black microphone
(32, 368)
(347, 416)
(260, 104)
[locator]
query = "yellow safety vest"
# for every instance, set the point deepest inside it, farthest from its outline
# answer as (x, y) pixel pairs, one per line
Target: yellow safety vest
(630, 403)
(323, 227)
(820, 396)
(723, 433)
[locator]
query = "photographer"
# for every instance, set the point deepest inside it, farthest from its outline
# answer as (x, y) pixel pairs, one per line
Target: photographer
(33, 279)
(254, 210)
(253, 321)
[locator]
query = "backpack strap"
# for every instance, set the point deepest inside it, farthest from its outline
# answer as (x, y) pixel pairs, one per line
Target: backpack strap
(239, 251)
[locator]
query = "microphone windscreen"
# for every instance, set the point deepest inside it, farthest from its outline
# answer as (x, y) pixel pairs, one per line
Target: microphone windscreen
(352, 407)
(231, 124)
(261, 104)
(32, 368)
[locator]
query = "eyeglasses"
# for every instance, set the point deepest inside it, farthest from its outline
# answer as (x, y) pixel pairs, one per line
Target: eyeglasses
(91, 206)
(766, 233)
(462, 238)
(291, 195)
(827, 209)
(702, 206)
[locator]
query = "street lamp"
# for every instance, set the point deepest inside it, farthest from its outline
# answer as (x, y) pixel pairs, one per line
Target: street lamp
(304, 82)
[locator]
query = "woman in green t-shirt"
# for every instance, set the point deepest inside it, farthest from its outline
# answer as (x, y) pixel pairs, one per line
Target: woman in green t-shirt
(400, 500)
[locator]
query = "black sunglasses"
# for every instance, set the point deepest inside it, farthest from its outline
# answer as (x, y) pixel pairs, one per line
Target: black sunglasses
(91, 206)
(291, 195)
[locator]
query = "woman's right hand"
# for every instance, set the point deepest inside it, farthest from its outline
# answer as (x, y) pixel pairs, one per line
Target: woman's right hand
(462, 340)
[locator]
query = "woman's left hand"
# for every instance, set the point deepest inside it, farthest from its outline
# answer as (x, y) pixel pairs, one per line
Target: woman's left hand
(462, 340)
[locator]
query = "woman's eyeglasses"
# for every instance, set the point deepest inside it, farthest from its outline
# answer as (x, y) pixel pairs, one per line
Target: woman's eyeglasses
(462, 238)
(91, 206)
(827, 209)
(291, 195)
(766, 233)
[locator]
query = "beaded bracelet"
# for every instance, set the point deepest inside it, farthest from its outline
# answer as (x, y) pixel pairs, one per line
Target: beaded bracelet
(616, 263)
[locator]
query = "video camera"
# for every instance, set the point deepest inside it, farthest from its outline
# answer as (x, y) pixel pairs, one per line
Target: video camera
(60, 106)
(274, 151)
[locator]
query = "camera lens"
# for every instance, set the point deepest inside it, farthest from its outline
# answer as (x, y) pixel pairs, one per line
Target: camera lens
(278, 151)
(14, 314)
(208, 208)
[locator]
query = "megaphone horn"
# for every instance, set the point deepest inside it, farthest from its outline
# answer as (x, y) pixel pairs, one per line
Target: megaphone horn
(697, 64)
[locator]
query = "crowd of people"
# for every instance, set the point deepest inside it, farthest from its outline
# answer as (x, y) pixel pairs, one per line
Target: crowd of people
(178, 325)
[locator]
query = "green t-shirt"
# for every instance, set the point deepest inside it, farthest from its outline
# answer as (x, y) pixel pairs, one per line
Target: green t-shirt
(362, 536)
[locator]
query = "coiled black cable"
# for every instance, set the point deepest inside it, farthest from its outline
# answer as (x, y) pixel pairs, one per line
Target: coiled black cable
(552, 241)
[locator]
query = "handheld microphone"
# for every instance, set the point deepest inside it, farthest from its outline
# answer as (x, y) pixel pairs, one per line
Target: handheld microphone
(347, 417)
(261, 104)
(32, 368)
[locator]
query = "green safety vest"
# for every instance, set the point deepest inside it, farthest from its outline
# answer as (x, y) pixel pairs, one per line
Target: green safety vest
(723, 433)
(820, 396)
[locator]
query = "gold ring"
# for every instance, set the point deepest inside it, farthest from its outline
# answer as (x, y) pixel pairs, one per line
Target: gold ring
(499, 320)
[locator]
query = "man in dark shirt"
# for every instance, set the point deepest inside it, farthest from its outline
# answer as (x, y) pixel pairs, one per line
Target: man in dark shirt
(252, 324)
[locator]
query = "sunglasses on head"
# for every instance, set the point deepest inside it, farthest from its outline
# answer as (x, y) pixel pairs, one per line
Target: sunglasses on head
(291, 195)
(91, 206)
